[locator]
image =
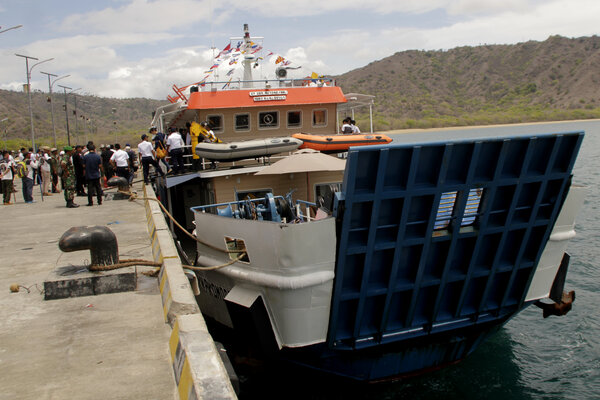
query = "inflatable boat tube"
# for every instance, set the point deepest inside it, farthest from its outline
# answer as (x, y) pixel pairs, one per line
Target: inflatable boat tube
(339, 143)
(247, 149)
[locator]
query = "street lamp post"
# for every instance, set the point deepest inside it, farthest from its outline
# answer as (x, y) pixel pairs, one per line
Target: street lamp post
(29, 90)
(114, 110)
(52, 100)
(85, 120)
(66, 111)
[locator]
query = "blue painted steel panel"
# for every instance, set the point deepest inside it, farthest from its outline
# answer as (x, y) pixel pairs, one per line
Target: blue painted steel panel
(442, 236)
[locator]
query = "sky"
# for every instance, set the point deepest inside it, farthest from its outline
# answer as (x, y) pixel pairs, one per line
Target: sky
(140, 48)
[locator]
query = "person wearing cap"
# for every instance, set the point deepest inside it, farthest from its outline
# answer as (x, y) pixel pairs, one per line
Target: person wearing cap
(147, 157)
(54, 162)
(68, 175)
(45, 170)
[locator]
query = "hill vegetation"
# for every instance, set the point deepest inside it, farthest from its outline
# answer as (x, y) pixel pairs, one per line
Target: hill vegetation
(93, 118)
(557, 79)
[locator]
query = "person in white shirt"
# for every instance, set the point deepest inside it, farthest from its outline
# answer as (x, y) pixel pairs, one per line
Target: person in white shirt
(147, 156)
(346, 127)
(6, 174)
(45, 169)
(120, 160)
(175, 148)
(355, 129)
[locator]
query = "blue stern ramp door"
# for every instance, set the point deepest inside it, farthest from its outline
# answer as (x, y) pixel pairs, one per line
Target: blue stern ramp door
(441, 237)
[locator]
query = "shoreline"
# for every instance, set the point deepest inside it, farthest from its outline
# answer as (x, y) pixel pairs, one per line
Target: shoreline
(453, 128)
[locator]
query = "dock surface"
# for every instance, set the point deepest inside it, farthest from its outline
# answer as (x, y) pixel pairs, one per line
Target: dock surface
(110, 346)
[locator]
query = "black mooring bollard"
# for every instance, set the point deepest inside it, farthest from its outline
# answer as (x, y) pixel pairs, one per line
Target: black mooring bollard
(99, 240)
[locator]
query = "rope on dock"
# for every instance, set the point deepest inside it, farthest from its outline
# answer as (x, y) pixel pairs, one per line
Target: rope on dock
(134, 197)
(147, 263)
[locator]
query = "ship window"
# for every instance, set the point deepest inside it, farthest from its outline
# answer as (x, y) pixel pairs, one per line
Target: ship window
(294, 119)
(446, 209)
(268, 119)
(216, 122)
(319, 118)
(239, 248)
(242, 122)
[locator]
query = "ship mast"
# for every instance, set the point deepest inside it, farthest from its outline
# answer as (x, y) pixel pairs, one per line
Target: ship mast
(248, 57)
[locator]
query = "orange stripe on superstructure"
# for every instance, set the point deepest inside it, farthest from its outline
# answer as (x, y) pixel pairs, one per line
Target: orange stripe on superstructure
(241, 98)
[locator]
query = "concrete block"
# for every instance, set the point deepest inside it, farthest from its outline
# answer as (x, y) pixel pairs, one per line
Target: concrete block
(163, 246)
(77, 281)
(197, 365)
(176, 291)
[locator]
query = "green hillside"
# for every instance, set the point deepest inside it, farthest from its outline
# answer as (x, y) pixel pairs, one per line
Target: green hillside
(94, 118)
(557, 79)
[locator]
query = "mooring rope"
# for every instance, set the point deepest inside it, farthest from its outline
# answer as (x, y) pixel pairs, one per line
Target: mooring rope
(134, 197)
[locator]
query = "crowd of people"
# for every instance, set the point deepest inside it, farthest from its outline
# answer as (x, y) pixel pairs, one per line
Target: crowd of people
(75, 171)
(84, 171)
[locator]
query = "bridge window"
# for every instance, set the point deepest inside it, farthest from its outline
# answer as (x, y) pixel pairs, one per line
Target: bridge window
(319, 118)
(216, 122)
(446, 209)
(242, 122)
(268, 119)
(294, 119)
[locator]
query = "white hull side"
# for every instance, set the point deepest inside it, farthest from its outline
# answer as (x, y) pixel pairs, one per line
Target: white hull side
(291, 266)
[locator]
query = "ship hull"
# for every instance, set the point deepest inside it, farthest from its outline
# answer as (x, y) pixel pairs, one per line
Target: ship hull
(411, 272)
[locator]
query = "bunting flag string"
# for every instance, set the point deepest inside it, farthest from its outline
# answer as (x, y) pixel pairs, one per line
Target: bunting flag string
(227, 84)
(231, 55)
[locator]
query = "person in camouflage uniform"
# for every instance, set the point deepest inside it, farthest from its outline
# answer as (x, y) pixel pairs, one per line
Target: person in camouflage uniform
(68, 172)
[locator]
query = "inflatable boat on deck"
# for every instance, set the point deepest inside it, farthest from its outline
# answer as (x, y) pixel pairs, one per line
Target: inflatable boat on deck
(339, 143)
(246, 149)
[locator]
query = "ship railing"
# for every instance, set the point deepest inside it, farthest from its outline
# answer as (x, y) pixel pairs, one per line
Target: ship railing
(304, 210)
(269, 208)
(265, 84)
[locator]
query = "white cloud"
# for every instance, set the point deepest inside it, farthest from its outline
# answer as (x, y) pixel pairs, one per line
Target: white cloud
(139, 16)
(101, 63)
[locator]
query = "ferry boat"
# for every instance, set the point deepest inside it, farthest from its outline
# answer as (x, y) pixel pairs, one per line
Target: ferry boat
(398, 259)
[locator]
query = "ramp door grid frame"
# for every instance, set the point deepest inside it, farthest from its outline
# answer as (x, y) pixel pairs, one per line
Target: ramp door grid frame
(407, 268)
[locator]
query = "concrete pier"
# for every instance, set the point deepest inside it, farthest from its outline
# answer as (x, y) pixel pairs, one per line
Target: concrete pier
(107, 346)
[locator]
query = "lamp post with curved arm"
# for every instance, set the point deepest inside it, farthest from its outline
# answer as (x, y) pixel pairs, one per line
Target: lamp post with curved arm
(66, 112)
(29, 90)
(52, 100)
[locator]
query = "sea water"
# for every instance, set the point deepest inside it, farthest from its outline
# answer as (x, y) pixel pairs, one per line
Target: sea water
(529, 358)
